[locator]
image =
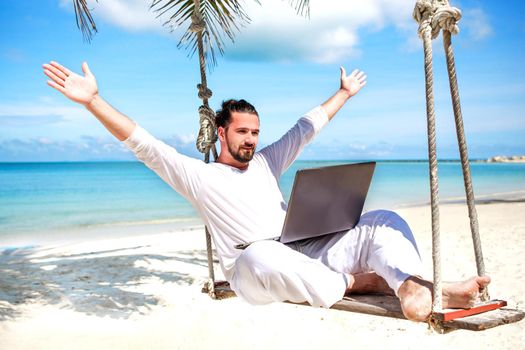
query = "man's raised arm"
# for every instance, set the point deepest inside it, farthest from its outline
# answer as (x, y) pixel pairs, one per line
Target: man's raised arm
(84, 90)
(350, 85)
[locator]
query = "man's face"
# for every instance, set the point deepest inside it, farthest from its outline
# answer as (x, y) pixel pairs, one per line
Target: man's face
(241, 136)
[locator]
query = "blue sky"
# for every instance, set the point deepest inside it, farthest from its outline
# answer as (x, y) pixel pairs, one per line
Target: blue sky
(282, 63)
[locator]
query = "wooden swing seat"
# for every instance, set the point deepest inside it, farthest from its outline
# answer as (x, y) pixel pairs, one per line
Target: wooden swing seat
(485, 316)
(481, 317)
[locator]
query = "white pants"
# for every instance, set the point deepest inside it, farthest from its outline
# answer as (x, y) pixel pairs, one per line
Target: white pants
(316, 270)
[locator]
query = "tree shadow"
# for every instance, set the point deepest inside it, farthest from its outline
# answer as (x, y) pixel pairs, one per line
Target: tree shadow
(98, 283)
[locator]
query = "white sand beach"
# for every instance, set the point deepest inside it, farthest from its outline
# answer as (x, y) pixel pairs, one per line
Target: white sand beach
(144, 292)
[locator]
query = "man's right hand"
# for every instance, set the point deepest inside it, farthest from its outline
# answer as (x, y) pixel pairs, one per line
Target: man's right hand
(81, 89)
(84, 90)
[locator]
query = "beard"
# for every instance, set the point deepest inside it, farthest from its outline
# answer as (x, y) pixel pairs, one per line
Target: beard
(243, 155)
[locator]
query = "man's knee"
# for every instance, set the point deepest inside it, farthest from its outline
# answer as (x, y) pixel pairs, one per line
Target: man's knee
(260, 254)
(382, 217)
(258, 271)
(263, 260)
(380, 220)
(393, 250)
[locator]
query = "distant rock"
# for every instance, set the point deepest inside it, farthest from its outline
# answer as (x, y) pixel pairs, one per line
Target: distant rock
(504, 159)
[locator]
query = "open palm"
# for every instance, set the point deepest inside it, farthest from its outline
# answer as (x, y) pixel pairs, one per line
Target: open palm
(81, 89)
(354, 82)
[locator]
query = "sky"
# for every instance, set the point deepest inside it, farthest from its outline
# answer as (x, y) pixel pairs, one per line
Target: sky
(282, 63)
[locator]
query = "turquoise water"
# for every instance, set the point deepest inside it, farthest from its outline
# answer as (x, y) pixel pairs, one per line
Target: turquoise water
(65, 196)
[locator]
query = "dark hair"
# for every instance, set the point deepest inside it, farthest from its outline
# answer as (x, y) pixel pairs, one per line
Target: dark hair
(224, 115)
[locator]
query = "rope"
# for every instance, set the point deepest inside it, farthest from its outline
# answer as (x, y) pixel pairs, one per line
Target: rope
(211, 273)
(446, 19)
(204, 92)
(197, 22)
(423, 15)
(207, 130)
(454, 92)
(432, 17)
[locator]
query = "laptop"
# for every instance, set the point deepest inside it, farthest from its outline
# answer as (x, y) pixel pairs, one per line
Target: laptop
(325, 200)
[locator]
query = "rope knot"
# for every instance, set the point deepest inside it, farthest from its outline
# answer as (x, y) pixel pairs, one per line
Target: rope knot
(204, 92)
(423, 12)
(207, 131)
(197, 23)
(446, 18)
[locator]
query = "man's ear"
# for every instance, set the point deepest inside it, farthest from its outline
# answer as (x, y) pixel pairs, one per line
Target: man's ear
(220, 132)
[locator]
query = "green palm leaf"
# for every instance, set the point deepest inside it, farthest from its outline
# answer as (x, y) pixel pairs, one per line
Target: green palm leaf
(221, 18)
(85, 21)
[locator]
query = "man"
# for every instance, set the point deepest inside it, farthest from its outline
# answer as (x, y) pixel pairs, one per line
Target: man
(238, 198)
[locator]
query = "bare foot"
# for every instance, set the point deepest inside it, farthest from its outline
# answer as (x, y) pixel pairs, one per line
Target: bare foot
(415, 295)
(463, 294)
(368, 282)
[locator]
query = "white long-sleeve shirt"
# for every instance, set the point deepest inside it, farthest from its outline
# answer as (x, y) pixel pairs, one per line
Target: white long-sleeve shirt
(237, 206)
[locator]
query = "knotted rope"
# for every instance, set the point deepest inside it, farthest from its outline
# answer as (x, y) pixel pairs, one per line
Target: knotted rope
(423, 13)
(446, 18)
(432, 17)
(204, 92)
(449, 26)
(197, 22)
(207, 130)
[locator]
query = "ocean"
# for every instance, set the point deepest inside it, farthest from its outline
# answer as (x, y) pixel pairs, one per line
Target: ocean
(70, 196)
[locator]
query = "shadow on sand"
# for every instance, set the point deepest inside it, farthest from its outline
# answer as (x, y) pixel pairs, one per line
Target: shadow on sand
(98, 283)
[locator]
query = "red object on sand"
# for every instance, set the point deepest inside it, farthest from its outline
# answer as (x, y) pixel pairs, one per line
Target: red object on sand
(452, 314)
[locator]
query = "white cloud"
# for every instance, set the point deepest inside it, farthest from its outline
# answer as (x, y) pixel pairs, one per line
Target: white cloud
(413, 43)
(330, 35)
(186, 139)
(276, 32)
(477, 23)
(41, 113)
(66, 3)
(84, 148)
(132, 15)
(45, 141)
(45, 149)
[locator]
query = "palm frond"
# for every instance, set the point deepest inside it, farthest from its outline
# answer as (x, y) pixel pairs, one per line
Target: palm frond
(302, 7)
(84, 19)
(221, 17)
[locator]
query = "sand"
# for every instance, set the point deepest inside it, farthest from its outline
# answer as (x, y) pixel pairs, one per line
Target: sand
(143, 292)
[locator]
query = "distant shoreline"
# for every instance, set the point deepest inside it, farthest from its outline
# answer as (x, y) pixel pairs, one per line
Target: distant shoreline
(481, 199)
(505, 159)
(495, 159)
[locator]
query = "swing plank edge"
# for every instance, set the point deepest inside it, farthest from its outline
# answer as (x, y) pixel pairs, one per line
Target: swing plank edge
(452, 314)
(389, 306)
(486, 320)
(222, 290)
(378, 305)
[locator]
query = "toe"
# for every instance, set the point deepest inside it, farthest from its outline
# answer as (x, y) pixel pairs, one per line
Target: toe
(483, 281)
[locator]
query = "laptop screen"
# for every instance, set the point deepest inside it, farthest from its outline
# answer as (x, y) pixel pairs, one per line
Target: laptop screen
(326, 200)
